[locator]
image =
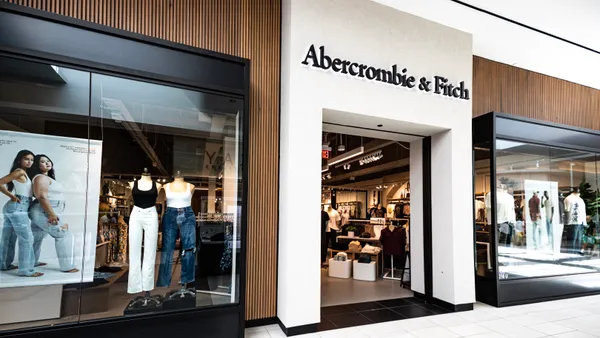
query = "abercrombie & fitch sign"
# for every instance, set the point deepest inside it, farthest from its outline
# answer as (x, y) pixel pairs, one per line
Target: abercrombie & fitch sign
(395, 76)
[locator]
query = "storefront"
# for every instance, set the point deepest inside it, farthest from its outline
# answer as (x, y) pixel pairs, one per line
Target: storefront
(392, 73)
(124, 185)
(536, 198)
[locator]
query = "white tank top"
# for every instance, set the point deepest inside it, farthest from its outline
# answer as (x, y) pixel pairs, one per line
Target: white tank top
(178, 199)
(23, 189)
(55, 190)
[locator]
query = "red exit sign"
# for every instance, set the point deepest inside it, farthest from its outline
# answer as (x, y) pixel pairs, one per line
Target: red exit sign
(325, 154)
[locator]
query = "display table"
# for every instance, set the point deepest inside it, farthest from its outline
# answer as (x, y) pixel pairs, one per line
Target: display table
(352, 255)
(360, 239)
(364, 271)
(340, 269)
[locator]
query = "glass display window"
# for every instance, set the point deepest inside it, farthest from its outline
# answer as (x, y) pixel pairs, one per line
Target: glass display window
(120, 197)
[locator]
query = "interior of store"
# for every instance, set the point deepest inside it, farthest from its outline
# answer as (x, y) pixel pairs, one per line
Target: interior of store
(150, 196)
(365, 219)
(546, 213)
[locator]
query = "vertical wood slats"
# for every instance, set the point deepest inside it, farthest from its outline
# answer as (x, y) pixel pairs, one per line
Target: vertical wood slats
(245, 28)
(508, 89)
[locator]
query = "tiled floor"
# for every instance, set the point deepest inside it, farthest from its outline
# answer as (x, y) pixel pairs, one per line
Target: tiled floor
(571, 318)
(336, 291)
(341, 316)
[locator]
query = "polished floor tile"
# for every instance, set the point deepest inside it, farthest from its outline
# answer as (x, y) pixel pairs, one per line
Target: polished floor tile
(382, 315)
(412, 311)
(336, 310)
(395, 302)
(366, 306)
(325, 325)
(348, 320)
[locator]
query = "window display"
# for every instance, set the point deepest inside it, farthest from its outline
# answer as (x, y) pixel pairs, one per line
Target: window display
(120, 197)
(544, 224)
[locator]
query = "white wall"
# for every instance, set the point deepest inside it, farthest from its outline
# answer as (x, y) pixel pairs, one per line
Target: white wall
(502, 41)
(364, 31)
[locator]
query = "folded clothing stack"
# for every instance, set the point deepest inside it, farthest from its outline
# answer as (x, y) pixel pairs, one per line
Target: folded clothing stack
(354, 246)
(341, 256)
(371, 249)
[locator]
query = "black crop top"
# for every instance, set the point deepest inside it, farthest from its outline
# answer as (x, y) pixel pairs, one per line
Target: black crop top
(144, 198)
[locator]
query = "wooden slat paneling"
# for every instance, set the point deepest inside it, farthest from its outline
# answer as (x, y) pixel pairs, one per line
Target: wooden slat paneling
(244, 28)
(508, 89)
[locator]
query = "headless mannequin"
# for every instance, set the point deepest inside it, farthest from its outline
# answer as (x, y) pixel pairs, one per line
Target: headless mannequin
(180, 185)
(144, 184)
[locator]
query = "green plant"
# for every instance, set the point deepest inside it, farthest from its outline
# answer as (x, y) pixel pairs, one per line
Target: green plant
(350, 228)
(590, 197)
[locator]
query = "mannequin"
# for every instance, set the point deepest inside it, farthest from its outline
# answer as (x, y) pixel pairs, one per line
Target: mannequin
(575, 221)
(536, 216)
(143, 228)
(178, 221)
(393, 240)
(505, 214)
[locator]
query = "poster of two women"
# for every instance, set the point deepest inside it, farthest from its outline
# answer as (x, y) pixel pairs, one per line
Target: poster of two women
(49, 195)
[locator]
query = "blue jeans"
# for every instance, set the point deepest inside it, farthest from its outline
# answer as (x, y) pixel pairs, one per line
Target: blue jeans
(178, 222)
(63, 239)
(550, 232)
(537, 234)
(16, 226)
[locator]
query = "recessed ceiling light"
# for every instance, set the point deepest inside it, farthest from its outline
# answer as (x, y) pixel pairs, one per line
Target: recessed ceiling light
(380, 125)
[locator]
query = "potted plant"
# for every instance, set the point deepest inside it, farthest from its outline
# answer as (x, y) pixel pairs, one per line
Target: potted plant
(351, 229)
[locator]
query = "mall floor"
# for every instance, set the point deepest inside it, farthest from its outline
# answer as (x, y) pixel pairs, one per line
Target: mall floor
(338, 291)
(570, 318)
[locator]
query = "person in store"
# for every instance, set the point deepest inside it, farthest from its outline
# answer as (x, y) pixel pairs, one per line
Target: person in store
(536, 217)
(45, 213)
(324, 238)
(17, 186)
(333, 226)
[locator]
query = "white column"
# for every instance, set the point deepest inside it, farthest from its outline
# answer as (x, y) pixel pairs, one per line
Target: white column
(452, 216)
(417, 276)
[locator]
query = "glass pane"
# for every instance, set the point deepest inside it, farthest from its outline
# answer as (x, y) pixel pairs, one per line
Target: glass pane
(44, 146)
(482, 185)
(532, 186)
(170, 199)
(577, 212)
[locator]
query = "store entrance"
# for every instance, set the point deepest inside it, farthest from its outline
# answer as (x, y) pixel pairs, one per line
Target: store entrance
(366, 212)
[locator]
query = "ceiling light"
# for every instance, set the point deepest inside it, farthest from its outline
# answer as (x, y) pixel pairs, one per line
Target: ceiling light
(353, 153)
(537, 164)
(341, 147)
(380, 125)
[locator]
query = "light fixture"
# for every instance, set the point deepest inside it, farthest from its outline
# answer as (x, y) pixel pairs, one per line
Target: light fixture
(347, 166)
(537, 164)
(353, 153)
(341, 147)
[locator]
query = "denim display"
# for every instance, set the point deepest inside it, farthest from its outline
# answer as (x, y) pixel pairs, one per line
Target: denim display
(143, 227)
(63, 238)
(537, 234)
(17, 226)
(178, 222)
(550, 232)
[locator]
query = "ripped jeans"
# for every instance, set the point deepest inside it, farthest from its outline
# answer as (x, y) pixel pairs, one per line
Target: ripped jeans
(178, 222)
(63, 238)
